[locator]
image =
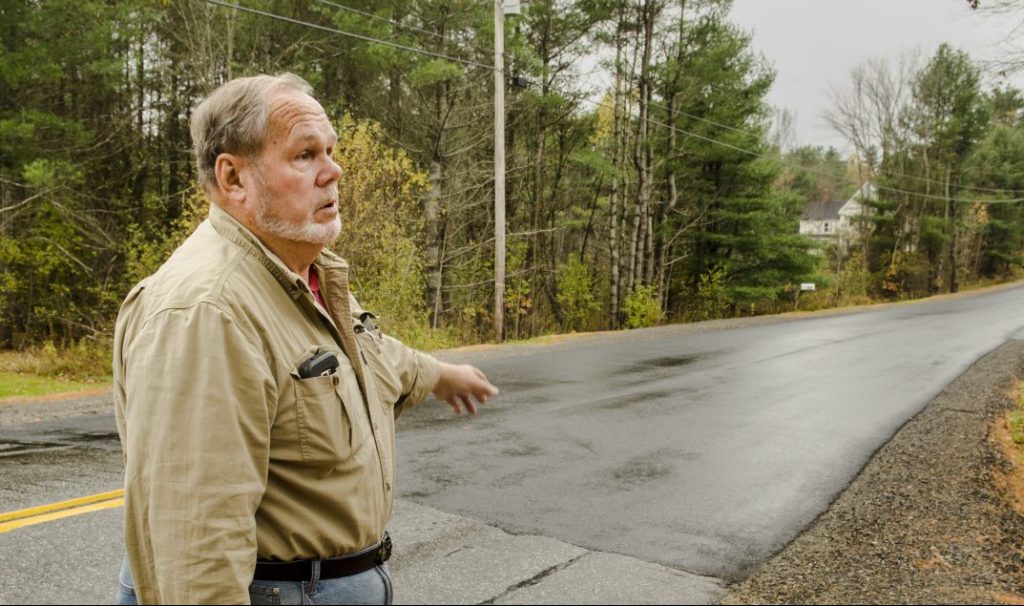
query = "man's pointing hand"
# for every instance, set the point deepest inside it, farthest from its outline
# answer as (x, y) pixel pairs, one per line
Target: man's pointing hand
(460, 385)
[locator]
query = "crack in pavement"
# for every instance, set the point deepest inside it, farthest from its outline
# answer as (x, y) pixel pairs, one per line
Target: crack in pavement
(537, 578)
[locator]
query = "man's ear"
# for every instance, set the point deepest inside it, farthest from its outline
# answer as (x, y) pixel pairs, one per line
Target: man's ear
(228, 169)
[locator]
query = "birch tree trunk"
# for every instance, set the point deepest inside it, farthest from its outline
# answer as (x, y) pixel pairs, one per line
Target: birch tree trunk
(641, 266)
(620, 117)
(432, 215)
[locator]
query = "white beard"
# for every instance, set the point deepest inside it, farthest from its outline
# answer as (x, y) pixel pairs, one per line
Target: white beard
(308, 231)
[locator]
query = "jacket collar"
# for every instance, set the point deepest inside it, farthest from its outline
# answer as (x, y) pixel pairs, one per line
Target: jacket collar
(330, 266)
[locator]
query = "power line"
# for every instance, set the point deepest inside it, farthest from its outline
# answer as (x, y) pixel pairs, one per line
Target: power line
(370, 15)
(900, 176)
(793, 165)
(349, 34)
(394, 22)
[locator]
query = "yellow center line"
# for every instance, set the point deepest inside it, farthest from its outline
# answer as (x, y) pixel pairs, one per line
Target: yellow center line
(34, 511)
(56, 515)
(62, 509)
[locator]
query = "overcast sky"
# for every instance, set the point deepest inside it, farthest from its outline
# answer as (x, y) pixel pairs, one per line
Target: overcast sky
(814, 44)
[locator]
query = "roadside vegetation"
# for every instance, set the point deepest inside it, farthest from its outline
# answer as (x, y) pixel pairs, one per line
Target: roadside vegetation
(675, 197)
(42, 370)
(1015, 422)
(1007, 435)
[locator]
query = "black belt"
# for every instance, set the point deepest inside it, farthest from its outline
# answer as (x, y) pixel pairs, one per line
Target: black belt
(330, 568)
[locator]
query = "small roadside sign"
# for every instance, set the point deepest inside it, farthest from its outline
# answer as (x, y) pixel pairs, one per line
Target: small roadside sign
(807, 286)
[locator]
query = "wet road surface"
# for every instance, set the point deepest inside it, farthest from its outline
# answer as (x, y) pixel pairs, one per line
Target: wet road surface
(701, 449)
(706, 452)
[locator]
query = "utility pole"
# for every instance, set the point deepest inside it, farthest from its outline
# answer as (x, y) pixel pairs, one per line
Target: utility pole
(499, 171)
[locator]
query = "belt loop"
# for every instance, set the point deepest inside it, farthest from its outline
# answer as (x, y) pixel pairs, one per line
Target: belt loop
(384, 549)
(314, 578)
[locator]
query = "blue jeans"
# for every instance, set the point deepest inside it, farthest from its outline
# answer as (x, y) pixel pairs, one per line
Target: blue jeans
(370, 587)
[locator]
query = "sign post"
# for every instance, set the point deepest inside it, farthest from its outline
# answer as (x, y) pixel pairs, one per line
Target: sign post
(804, 286)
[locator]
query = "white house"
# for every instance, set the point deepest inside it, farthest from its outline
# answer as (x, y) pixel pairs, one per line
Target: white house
(836, 221)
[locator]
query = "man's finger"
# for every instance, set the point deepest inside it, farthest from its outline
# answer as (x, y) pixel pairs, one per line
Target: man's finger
(455, 405)
(467, 402)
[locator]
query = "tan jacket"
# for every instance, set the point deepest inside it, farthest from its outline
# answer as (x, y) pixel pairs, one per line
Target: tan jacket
(229, 455)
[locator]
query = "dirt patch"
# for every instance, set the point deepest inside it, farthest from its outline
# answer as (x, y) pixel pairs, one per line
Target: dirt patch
(1009, 478)
(927, 521)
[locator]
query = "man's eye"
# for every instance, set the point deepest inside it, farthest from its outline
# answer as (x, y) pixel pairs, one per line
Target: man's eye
(306, 155)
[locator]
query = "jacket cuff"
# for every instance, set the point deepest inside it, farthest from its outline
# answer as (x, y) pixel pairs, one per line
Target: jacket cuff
(427, 376)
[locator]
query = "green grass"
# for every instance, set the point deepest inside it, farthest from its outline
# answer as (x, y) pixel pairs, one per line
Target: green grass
(45, 370)
(1016, 423)
(1015, 419)
(20, 385)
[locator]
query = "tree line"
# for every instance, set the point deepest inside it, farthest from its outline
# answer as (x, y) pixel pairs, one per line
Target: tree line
(946, 156)
(663, 192)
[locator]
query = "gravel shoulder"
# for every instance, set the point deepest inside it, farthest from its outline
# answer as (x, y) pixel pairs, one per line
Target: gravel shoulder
(924, 522)
(20, 412)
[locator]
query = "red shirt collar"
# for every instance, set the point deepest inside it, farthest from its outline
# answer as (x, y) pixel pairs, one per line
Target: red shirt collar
(314, 285)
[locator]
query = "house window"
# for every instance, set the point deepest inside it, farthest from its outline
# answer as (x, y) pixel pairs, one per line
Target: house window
(826, 228)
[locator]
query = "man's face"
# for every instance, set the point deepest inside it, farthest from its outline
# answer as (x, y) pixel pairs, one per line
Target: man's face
(297, 182)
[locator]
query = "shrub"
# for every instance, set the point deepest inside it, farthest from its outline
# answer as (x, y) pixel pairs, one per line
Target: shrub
(712, 299)
(87, 360)
(641, 307)
(576, 294)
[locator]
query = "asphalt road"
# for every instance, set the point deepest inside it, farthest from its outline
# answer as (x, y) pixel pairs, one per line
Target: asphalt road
(704, 451)
(696, 447)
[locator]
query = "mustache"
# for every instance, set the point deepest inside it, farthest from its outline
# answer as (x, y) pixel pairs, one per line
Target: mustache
(331, 197)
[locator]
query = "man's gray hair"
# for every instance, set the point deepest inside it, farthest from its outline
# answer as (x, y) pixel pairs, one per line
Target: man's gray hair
(233, 119)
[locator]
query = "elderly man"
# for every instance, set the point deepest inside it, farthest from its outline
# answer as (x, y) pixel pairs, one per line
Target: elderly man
(255, 401)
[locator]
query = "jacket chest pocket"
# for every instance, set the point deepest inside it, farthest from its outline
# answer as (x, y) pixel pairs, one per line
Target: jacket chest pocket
(327, 411)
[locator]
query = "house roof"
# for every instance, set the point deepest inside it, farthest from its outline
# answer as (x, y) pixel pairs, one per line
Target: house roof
(868, 190)
(822, 210)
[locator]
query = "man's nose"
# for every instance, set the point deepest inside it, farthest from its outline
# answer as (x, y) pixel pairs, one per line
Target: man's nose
(330, 173)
